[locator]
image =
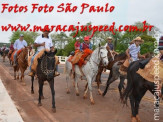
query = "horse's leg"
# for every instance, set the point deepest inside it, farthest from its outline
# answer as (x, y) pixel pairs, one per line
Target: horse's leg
(76, 85)
(121, 85)
(98, 80)
(40, 92)
(15, 73)
(109, 81)
(132, 103)
(18, 74)
(85, 91)
(32, 89)
(51, 83)
(22, 76)
(67, 80)
(89, 80)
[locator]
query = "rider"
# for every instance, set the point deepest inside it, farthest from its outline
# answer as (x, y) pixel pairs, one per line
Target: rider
(11, 48)
(86, 48)
(18, 46)
(42, 42)
(110, 44)
(133, 51)
(4, 47)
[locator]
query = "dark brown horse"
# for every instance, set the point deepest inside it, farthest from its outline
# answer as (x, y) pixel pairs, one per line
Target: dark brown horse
(136, 88)
(115, 74)
(22, 65)
(45, 72)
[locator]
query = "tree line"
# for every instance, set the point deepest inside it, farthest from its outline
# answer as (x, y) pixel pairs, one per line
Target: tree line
(65, 42)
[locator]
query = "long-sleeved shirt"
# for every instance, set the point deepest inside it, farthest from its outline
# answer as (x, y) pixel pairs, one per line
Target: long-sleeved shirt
(20, 44)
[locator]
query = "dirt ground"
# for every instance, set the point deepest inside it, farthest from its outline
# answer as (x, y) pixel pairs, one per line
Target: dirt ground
(72, 108)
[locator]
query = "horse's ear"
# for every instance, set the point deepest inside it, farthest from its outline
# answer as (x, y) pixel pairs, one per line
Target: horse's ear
(55, 51)
(107, 48)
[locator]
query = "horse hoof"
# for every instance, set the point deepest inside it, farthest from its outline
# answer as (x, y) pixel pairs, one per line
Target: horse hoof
(54, 110)
(77, 94)
(138, 118)
(92, 102)
(99, 91)
(68, 92)
(42, 97)
(39, 104)
(133, 119)
(84, 97)
(32, 92)
(24, 84)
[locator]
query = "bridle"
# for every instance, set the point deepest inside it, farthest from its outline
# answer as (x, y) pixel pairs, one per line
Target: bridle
(44, 68)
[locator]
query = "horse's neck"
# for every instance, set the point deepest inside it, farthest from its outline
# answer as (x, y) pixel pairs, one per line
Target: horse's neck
(95, 57)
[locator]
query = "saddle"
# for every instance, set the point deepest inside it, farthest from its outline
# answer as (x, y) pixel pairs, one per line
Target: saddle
(149, 70)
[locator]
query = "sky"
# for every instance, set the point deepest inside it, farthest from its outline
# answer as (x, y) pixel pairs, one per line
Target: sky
(126, 12)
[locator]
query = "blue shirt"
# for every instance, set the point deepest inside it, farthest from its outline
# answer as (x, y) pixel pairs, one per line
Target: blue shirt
(111, 46)
(20, 44)
(83, 45)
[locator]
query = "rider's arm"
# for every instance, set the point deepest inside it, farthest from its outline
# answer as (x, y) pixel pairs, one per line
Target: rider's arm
(140, 56)
(127, 53)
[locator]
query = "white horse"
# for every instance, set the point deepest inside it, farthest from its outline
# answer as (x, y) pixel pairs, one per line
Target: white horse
(89, 70)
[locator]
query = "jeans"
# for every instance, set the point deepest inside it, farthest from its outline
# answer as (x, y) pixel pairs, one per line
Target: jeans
(15, 55)
(33, 59)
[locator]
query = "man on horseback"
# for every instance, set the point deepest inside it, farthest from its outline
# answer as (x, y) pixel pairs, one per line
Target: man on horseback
(42, 42)
(133, 52)
(18, 46)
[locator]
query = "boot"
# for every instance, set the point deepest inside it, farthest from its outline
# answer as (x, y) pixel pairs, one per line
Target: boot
(56, 74)
(31, 74)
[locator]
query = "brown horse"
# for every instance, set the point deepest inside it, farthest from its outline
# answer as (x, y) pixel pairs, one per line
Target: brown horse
(4, 54)
(9, 56)
(22, 65)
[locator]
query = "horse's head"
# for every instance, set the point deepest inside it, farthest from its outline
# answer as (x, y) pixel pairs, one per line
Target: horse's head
(103, 53)
(50, 59)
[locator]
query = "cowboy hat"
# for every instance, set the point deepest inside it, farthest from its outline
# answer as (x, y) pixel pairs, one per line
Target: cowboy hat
(137, 39)
(109, 38)
(21, 35)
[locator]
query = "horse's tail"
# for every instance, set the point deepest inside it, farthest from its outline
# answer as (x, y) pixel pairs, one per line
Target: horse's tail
(129, 87)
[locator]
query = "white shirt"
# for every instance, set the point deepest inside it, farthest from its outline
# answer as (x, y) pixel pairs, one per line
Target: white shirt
(48, 42)
(134, 50)
(20, 44)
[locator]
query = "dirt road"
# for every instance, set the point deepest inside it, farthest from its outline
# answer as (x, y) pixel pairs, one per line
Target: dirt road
(71, 108)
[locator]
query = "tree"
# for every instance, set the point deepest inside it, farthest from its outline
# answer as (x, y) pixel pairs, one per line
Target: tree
(28, 36)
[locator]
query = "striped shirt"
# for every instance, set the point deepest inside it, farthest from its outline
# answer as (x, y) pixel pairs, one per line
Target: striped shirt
(134, 50)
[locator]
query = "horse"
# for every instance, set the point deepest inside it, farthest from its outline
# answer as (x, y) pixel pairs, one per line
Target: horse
(117, 57)
(22, 65)
(9, 56)
(89, 70)
(115, 74)
(45, 72)
(136, 88)
(4, 54)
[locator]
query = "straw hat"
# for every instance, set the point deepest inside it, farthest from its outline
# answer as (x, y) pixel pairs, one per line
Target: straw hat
(137, 39)
(109, 38)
